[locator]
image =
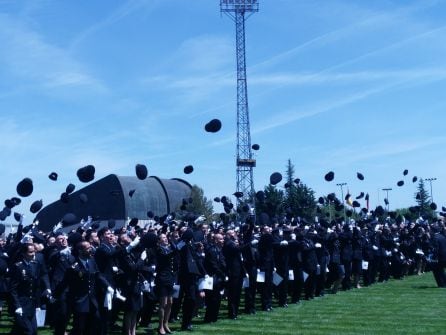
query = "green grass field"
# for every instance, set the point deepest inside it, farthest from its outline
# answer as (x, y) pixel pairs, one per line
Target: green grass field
(410, 306)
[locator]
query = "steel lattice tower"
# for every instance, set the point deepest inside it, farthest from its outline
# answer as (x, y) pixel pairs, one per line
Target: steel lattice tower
(239, 11)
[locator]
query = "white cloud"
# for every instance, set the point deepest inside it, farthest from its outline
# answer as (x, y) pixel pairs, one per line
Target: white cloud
(27, 56)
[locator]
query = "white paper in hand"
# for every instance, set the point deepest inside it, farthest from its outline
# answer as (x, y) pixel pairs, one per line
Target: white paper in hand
(206, 283)
(277, 279)
(290, 275)
(260, 277)
(176, 291)
(365, 265)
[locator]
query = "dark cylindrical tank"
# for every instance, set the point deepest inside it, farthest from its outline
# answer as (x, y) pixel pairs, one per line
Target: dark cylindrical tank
(108, 198)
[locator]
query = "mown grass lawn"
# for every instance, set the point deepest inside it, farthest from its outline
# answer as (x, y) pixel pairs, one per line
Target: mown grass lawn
(410, 306)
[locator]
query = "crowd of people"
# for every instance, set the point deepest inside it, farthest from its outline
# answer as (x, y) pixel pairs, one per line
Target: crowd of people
(87, 278)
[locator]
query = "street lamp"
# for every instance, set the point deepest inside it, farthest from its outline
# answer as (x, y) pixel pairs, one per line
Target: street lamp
(341, 185)
(430, 180)
(387, 196)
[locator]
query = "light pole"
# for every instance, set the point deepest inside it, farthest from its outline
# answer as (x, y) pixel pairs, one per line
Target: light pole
(387, 196)
(430, 180)
(341, 185)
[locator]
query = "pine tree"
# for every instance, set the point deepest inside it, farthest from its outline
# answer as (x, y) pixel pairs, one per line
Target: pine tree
(423, 199)
(200, 205)
(299, 198)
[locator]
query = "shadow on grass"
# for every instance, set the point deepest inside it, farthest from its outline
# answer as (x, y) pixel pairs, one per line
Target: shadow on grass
(423, 287)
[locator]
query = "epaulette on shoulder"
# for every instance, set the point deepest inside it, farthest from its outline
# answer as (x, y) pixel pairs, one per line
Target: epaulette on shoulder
(18, 263)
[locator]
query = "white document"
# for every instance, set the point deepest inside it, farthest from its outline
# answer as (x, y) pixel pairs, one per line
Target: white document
(260, 277)
(206, 283)
(365, 265)
(40, 317)
(290, 275)
(305, 276)
(277, 279)
(176, 291)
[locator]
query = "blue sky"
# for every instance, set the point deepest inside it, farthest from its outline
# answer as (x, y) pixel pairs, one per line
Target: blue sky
(333, 85)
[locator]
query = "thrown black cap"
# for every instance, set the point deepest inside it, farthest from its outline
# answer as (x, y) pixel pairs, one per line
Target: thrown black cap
(2, 228)
(69, 219)
(217, 199)
(275, 178)
(141, 171)
(70, 188)
(367, 197)
(356, 204)
(348, 213)
(83, 198)
(360, 176)
(213, 126)
(25, 187)
(133, 222)
(86, 173)
(321, 200)
(238, 194)
(150, 214)
(131, 192)
(17, 216)
(3, 215)
(255, 147)
(9, 203)
(64, 197)
(433, 206)
(188, 235)
(379, 210)
(188, 169)
(329, 176)
(149, 240)
(400, 183)
(111, 224)
(53, 176)
(74, 238)
(297, 180)
(386, 201)
(405, 172)
(360, 196)
(414, 179)
(16, 201)
(36, 206)
(331, 196)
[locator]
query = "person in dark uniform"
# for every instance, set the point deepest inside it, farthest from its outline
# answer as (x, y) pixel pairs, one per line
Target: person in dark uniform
(4, 278)
(295, 263)
(27, 281)
(164, 281)
(60, 260)
(189, 272)
(357, 255)
(309, 259)
(215, 266)
(266, 264)
(439, 250)
(106, 257)
(232, 252)
(131, 282)
(346, 237)
(281, 260)
(250, 261)
(82, 280)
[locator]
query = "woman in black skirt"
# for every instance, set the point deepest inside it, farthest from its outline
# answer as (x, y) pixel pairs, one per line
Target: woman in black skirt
(164, 281)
